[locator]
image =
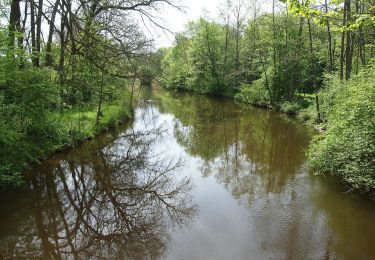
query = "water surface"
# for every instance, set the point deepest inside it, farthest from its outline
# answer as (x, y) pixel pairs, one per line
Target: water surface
(191, 177)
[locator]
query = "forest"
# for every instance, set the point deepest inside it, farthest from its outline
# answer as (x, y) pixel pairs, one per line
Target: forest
(69, 69)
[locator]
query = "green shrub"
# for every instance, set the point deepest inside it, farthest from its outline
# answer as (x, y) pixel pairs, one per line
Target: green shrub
(26, 129)
(328, 95)
(290, 108)
(308, 114)
(296, 106)
(347, 148)
(255, 94)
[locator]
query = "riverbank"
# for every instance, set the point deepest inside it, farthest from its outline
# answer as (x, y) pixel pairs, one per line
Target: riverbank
(68, 128)
(346, 147)
(301, 108)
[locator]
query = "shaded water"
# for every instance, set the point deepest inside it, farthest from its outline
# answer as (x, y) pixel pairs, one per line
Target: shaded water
(191, 178)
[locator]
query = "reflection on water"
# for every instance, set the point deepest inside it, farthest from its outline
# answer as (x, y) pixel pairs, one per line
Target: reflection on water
(104, 200)
(192, 178)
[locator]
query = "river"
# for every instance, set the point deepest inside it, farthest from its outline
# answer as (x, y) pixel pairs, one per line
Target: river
(191, 177)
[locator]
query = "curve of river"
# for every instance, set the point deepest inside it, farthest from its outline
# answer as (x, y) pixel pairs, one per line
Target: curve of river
(191, 177)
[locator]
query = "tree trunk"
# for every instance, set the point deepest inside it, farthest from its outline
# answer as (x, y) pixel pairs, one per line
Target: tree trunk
(349, 43)
(62, 48)
(49, 57)
(329, 38)
(313, 71)
(342, 54)
(38, 32)
(226, 47)
(15, 26)
(32, 29)
(288, 88)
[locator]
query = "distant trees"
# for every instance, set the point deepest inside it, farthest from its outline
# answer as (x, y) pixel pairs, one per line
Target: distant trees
(219, 63)
(289, 49)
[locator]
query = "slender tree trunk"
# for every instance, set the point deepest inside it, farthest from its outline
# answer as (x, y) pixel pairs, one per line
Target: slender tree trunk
(38, 32)
(286, 25)
(253, 51)
(25, 12)
(226, 47)
(349, 43)
(362, 46)
(237, 54)
(313, 71)
(360, 37)
(71, 27)
(14, 16)
(49, 57)
(33, 35)
(288, 89)
(296, 82)
(62, 48)
(342, 54)
(329, 38)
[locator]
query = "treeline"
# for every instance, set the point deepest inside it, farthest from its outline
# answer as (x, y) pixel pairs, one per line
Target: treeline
(67, 70)
(310, 58)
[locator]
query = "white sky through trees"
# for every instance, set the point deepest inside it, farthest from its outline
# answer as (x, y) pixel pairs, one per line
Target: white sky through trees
(175, 20)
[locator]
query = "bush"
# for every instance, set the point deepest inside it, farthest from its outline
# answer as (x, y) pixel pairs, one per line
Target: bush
(291, 108)
(255, 94)
(328, 95)
(295, 107)
(309, 114)
(347, 148)
(26, 101)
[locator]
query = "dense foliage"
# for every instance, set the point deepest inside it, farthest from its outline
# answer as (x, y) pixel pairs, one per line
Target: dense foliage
(204, 59)
(39, 116)
(347, 148)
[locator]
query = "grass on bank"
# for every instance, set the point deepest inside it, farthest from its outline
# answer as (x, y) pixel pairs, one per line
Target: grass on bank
(62, 129)
(80, 124)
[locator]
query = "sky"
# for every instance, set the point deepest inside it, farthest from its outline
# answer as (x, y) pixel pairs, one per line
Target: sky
(175, 20)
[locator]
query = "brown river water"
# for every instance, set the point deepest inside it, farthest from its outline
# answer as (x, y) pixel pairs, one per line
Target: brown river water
(191, 177)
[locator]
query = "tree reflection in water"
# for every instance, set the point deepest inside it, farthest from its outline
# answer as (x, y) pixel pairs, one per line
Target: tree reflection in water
(118, 201)
(253, 152)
